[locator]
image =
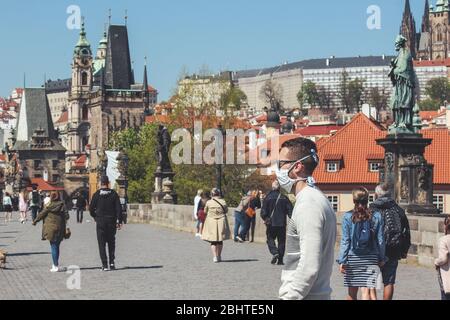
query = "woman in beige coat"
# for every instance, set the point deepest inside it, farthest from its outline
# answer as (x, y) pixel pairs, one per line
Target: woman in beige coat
(443, 263)
(216, 228)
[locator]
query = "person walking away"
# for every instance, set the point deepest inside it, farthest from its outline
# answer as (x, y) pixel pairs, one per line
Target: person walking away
(206, 196)
(216, 229)
(15, 202)
(106, 210)
(397, 236)
(362, 250)
(255, 203)
(81, 207)
(54, 217)
(311, 233)
(35, 202)
(197, 200)
(23, 207)
(276, 207)
(443, 263)
(7, 205)
(240, 218)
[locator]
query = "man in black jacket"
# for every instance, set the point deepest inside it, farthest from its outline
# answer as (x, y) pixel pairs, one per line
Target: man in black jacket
(276, 207)
(106, 210)
(396, 235)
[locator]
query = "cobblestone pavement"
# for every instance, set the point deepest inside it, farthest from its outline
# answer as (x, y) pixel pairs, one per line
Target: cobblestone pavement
(158, 263)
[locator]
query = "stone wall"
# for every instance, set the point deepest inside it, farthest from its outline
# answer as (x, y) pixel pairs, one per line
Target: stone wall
(425, 230)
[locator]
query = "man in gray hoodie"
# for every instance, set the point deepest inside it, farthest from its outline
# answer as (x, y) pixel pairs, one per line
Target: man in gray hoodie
(311, 233)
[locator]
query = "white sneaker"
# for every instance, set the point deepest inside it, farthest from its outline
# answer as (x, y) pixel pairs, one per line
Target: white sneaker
(198, 235)
(54, 269)
(215, 259)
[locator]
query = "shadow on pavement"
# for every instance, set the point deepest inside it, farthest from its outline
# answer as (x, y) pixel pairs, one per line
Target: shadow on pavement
(241, 260)
(125, 268)
(10, 231)
(26, 254)
(6, 237)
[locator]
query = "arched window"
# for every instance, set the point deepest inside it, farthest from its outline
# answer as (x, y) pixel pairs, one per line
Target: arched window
(84, 112)
(84, 79)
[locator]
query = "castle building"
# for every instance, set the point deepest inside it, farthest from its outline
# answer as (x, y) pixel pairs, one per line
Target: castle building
(103, 98)
(432, 41)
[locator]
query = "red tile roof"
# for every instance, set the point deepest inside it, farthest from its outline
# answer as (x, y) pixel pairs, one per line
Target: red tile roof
(44, 185)
(357, 143)
(80, 162)
(317, 130)
(64, 117)
(430, 63)
(2, 157)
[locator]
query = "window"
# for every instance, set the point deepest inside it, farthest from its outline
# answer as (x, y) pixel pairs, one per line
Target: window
(55, 178)
(334, 200)
(85, 112)
(332, 167)
(55, 164)
(438, 201)
(84, 79)
(37, 164)
(374, 166)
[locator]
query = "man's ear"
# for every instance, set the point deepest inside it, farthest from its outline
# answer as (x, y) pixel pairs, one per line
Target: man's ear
(298, 169)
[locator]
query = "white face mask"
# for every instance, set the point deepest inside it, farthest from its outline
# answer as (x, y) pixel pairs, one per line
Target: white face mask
(286, 182)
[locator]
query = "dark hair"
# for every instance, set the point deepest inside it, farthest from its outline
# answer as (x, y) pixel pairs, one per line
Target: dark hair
(34, 187)
(54, 196)
(361, 212)
(299, 148)
(104, 180)
(447, 225)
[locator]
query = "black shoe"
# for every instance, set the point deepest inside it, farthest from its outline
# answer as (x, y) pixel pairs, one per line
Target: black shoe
(274, 259)
(280, 262)
(112, 266)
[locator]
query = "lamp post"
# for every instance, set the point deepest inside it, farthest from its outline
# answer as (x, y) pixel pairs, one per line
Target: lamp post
(219, 168)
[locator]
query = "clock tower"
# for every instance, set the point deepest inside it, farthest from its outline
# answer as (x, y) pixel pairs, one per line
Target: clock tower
(78, 111)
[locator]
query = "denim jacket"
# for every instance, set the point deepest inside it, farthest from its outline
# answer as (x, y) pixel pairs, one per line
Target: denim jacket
(347, 234)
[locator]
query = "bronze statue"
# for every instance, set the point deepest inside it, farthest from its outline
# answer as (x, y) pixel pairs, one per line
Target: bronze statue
(403, 79)
(162, 149)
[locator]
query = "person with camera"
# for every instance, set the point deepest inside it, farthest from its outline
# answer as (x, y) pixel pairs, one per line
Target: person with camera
(276, 207)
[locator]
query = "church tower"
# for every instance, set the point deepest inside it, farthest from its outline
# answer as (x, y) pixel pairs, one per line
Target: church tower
(439, 21)
(408, 29)
(426, 26)
(78, 111)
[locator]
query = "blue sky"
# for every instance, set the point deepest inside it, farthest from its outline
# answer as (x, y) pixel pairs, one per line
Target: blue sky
(176, 34)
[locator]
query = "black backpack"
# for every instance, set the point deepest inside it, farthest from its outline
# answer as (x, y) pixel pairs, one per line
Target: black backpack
(395, 233)
(35, 198)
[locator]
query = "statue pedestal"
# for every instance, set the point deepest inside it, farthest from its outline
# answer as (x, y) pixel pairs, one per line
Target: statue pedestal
(408, 173)
(164, 192)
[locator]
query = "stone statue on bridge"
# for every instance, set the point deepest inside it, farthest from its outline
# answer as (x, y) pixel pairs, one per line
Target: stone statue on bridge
(162, 149)
(403, 79)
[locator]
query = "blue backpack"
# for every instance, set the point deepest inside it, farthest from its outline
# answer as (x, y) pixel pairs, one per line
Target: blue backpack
(363, 237)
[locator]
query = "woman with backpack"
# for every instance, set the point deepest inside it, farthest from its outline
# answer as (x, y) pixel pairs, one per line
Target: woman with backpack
(443, 263)
(54, 230)
(362, 250)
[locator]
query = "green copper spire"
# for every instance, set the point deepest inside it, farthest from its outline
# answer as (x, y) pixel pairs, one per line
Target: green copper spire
(103, 44)
(83, 46)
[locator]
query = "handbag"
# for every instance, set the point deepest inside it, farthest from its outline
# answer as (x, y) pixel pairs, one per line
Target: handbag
(201, 215)
(67, 233)
(268, 221)
(250, 212)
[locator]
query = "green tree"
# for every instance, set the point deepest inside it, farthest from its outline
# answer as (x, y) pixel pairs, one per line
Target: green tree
(232, 98)
(429, 105)
(378, 98)
(308, 94)
(343, 91)
(438, 89)
(355, 94)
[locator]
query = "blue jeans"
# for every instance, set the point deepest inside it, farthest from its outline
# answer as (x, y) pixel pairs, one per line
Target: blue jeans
(55, 252)
(34, 212)
(239, 223)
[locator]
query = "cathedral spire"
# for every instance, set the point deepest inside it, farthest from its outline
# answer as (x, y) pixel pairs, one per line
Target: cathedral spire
(408, 28)
(83, 46)
(426, 18)
(145, 92)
